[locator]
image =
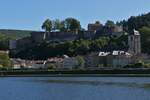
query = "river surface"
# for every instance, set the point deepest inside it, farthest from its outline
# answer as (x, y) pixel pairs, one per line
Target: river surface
(74, 88)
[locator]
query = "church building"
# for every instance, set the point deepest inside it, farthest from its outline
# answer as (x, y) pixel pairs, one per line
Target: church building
(134, 42)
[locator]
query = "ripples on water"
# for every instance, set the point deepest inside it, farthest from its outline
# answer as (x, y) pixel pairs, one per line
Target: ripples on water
(75, 88)
(99, 81)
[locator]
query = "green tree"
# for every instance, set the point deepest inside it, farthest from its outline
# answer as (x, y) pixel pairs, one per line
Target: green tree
(80, 62)
(5, 60)
(109, 23)
(145, 39)
(72, 24)
(99, 43)
(47, 25)
(136, 22)
(57, 25)
(82, 47)
(51, 66)
(97, 22)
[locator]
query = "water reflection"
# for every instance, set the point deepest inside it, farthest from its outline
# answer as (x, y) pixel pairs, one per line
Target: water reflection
(96, 83)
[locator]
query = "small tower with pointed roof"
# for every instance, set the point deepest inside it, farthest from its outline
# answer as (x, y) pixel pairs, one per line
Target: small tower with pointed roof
(134, 42)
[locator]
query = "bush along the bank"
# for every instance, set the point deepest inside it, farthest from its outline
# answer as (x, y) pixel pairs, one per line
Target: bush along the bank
(139, 64)
(4, 60)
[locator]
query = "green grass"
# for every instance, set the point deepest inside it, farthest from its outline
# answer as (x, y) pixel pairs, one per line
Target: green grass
(13, 34)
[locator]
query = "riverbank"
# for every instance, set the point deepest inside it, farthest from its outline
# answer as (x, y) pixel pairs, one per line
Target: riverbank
(77, 73)
(81, 75)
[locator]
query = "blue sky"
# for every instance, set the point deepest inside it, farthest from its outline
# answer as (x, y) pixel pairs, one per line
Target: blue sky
(29, 14)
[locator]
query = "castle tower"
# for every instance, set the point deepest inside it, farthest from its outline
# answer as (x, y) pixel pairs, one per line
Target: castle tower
(134, 42)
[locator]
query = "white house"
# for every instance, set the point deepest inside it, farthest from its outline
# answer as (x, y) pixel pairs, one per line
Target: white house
(69, 63)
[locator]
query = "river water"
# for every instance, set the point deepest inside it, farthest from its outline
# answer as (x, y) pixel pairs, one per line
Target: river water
(74, 88)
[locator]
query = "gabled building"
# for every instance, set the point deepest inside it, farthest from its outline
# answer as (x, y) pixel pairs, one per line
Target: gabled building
(115, 59)
(119, 59)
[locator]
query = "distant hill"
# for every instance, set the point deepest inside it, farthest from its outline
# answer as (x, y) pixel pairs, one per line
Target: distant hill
(136, 22)
(15, 34)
